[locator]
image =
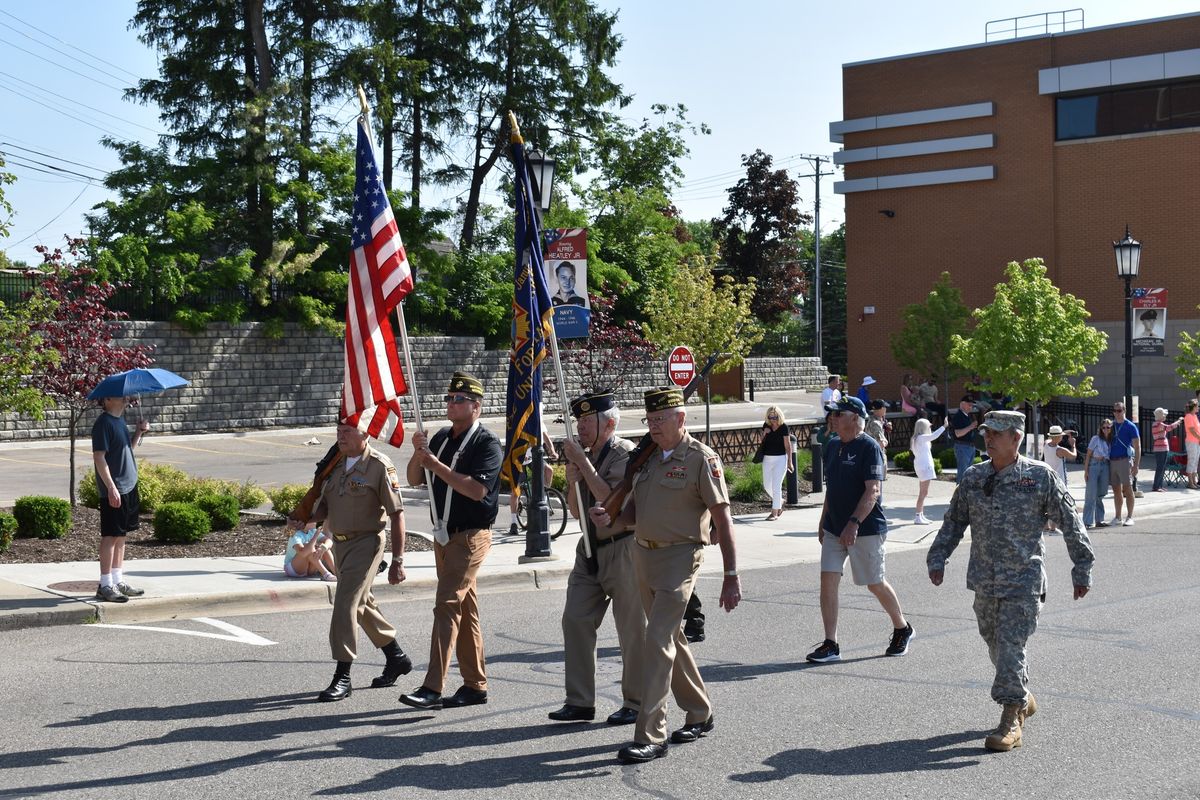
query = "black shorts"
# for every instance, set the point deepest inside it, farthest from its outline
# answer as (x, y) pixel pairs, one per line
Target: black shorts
(120, 521)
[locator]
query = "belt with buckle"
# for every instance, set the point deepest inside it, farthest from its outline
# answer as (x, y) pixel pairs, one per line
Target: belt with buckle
(345, 537)
(452, 531)
(618, 537)
(660, 545)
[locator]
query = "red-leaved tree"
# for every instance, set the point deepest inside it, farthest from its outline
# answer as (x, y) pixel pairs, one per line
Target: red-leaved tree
(81, 330)
(609, 356)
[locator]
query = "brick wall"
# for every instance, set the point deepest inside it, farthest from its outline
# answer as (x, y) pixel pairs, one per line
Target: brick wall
(243, 379)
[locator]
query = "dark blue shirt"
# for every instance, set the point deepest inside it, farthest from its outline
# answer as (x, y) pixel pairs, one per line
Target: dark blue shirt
(849, 466)
(1124, 435)
(110, 435)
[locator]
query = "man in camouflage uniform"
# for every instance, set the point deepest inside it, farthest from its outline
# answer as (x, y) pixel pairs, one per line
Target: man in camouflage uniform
(1006, 502)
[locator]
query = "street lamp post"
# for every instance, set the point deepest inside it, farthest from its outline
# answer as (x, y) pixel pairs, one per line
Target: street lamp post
(537, 534)
(1129, 256)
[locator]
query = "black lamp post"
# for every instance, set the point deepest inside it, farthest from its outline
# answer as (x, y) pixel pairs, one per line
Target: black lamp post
(537, 535)
(1129, 256)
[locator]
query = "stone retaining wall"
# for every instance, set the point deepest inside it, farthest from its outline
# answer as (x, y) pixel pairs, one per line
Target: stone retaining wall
(241, 378)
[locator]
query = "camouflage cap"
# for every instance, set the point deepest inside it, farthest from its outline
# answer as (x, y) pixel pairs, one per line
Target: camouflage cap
(593, 402)
(663, 397)
(466, 383)
(1004, 421)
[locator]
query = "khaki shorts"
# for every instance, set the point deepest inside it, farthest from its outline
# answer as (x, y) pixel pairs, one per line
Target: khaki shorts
(1118, 472)
(866, 557)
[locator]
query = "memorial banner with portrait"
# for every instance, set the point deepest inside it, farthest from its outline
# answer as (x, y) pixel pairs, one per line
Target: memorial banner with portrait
(566, 278)
(1149, 322)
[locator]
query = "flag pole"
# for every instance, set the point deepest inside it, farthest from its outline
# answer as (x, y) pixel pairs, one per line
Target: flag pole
(558, 374)
(405, 352)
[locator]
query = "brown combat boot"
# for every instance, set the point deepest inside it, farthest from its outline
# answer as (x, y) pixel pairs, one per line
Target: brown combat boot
(1008, 733)
(1029, 710)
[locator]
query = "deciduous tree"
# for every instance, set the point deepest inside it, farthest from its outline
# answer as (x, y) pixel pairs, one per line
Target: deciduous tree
(609, 356)
(23, 353)
(1188, 361)
(924, 342)
(81, 332)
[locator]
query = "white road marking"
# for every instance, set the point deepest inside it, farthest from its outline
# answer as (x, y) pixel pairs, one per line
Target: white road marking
(232, 632)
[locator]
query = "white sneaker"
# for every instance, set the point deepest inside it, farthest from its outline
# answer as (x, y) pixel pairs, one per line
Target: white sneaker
(921, 519)
(1128, 522)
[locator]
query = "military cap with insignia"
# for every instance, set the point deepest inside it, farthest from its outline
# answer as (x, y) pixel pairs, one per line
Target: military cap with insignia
(663, 397)
(466, 383)
(1004, 421)
(593, 402)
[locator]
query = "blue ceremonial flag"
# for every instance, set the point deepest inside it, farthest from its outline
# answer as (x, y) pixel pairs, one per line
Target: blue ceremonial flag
(532, 326)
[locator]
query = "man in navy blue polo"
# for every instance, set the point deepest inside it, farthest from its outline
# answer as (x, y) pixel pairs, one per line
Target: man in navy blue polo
(853, 527)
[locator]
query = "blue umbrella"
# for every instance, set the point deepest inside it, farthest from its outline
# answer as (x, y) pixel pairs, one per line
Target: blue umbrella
(136, 381)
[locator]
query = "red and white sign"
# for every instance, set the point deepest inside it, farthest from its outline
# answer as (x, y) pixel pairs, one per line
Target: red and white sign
(681, 366)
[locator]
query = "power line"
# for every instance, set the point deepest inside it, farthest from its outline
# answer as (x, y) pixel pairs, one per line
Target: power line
(60, 52)
(84, 105)
(17, 159)
(53, 219)
(48, 155)
(61, 66)
(73, 46)
(65, 114)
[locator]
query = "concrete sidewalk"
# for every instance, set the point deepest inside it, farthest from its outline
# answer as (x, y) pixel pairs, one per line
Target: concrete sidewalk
(60, 594)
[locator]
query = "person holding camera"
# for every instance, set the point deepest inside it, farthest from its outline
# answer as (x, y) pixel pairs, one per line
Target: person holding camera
(1060, 445)
(963, 424)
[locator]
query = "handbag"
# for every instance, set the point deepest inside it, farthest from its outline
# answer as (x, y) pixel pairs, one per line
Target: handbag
(758, 454)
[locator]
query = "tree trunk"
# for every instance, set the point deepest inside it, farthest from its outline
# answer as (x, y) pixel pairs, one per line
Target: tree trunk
(418, 110)
(73, 418)
(260, 72)
(308, 24)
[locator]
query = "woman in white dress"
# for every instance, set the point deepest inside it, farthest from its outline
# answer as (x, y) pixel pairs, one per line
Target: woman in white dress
(922, 449)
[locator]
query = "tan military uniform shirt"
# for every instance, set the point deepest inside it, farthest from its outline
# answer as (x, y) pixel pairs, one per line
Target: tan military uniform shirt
(673, 496)
(611, 470)
(362, 499)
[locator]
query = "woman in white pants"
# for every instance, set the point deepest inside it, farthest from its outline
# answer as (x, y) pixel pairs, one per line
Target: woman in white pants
(922, 449)
(777, 458)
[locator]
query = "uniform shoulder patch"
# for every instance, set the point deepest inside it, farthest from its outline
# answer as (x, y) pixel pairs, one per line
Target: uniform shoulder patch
(393, 478)
(714, 466)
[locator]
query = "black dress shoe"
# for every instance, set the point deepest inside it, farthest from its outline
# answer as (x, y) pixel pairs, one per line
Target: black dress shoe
(623, 716)
(339, 689)
(692, 732)
(423, 698)
(693, 636)
(639, 753)
(570, 713)
(465, 697)
(397, 665)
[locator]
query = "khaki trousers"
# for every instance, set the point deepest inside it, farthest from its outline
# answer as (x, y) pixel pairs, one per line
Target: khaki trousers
(588, 597)
(357, 559)
(456, 610)
(666, 577)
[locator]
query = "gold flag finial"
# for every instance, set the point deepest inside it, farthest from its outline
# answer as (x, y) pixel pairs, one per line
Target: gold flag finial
(362, 100)
(515, 137)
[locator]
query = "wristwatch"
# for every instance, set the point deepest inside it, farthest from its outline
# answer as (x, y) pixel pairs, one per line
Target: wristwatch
(856, 521)
(731, 573)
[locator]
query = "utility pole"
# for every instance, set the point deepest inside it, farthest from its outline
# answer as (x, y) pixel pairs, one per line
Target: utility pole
(816, 175)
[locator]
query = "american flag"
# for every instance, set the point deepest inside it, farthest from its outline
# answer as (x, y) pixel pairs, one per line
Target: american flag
(380, 277)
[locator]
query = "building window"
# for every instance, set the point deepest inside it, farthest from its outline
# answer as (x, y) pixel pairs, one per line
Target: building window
(1124, 111)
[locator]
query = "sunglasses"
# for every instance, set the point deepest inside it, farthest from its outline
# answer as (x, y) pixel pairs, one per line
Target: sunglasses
(458, 399)
(772, 416)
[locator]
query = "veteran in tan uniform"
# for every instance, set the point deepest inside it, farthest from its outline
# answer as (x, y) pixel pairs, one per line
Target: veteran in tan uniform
(676, 496)
(606, 577)
(359, 501)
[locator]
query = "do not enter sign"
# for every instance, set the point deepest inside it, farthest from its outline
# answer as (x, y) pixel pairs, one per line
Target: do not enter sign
(681, 366)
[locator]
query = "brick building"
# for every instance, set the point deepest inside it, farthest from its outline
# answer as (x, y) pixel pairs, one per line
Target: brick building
(1046, 146)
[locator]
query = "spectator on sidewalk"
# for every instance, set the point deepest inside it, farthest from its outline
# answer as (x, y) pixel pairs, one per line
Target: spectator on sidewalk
(1060, 445)
(922, 449)
(831, 393)
(962, 425)
(852, 526)
(117, 483)
(777, 458)
(1005, 501)
(864, 393)
(1161, 446)
(309, 552)
(1191, 441)
(1125, 456)
(1095, 476)
(909, 400)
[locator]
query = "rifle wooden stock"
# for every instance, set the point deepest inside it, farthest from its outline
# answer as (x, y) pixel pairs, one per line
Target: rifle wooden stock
(646, 448)
(325, 467)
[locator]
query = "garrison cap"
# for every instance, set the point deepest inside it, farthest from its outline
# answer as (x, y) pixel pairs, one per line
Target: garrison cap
(664, 397)
(593, 402)
(1004, 421)
(466, 383)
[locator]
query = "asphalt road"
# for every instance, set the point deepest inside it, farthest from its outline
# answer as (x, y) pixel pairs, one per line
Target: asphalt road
(273, 457)
(98, 711)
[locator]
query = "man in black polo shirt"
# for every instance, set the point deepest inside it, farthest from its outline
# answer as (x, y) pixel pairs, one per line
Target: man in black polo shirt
(963, 425)
(853, 527)
(464, 462)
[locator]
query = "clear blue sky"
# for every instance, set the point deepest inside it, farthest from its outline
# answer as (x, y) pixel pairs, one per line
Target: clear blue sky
(765, 74)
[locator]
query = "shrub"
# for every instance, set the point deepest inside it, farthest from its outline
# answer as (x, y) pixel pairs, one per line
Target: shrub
(89, 493)
(222, 510)
(8, 529)
(248, 494)
(41, 517)
(949, 462)
(181, 523)
(904, 461)
(745, 484)
(287, 497)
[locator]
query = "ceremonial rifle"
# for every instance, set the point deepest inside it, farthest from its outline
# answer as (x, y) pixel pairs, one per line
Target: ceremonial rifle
(304, 509)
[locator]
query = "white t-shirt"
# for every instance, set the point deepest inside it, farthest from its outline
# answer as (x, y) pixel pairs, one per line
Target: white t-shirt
(829, 395)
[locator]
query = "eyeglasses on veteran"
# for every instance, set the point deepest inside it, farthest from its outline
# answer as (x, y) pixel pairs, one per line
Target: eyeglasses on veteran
(458, 399)
(657, 422)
